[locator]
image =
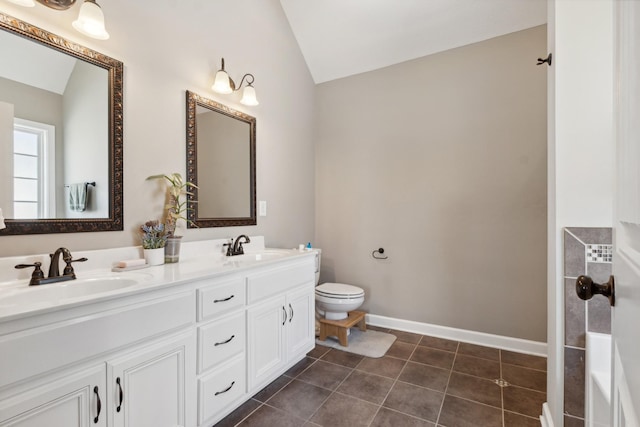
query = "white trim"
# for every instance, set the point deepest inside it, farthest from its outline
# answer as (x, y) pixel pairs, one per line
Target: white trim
(506, 343)
(545, 419)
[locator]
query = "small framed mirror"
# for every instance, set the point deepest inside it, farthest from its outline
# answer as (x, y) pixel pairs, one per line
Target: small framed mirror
(221, 161)
(61, 113)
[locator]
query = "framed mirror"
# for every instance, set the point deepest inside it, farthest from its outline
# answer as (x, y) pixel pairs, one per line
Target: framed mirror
(221, 161)
(61, 119)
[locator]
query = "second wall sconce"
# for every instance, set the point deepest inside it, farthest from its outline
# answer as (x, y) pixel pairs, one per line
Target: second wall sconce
(90, 20)
(225, 85)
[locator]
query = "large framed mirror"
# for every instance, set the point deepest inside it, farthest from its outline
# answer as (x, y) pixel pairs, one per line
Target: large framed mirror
(221, 161)
(61, 119)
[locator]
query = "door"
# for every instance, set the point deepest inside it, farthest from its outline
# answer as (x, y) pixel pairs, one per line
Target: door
(626, 264)
(147, 388)
(76, 400)
(301, 328)
(266, 340)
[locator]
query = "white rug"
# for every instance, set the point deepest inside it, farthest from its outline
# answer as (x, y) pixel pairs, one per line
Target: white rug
(370, 343)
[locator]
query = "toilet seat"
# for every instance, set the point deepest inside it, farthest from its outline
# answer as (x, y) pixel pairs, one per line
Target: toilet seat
(339, 291)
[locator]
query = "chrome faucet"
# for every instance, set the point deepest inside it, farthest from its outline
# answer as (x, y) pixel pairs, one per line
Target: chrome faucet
(235, 247)
(37, 277)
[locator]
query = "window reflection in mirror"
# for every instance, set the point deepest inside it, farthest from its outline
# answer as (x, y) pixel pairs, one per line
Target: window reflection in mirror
(221, 162)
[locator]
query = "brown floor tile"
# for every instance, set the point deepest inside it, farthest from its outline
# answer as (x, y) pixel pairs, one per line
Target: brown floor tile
(465, 413)
(479, 351)
(324, 374)
(318, 351)
(385, 366)
(343, 358)
(388, 418)
(297, 369)
(413, 400)
(239, 414)
(369, 387)
(524, 377)
(430, 356)
(478, 367)
(401, 350)
(523, 401)
(275, 386)
(409, 337)
(268, 416)
(517, 420)
(344, 411)
(425, 376)
(439, 343)
(476, 389)
(525, 360)
(300, 399)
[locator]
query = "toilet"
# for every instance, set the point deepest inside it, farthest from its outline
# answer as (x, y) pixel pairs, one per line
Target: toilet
(335, 300)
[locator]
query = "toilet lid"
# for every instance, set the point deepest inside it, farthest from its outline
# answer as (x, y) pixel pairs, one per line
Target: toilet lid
(339, 289)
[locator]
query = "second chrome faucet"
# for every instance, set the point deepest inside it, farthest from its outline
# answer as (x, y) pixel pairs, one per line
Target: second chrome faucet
(37, 277)
(235, 247)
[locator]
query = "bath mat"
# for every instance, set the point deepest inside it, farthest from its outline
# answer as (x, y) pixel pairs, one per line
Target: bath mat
(370, 343)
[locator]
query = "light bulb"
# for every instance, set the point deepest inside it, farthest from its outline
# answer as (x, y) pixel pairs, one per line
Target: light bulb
(90, 21)
(249, 96)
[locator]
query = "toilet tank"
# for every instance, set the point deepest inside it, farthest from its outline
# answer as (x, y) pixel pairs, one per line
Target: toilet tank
(318, 261)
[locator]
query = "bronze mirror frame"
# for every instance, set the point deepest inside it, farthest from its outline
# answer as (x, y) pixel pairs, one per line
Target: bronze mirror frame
(114, 222)
(193, 101)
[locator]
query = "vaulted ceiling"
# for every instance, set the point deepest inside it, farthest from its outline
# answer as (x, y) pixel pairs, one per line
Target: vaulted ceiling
(339, 38)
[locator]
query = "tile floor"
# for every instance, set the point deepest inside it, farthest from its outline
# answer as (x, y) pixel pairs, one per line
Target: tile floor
(421, 381)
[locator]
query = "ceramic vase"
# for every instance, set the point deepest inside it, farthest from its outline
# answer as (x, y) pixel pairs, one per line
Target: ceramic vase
(154, 256)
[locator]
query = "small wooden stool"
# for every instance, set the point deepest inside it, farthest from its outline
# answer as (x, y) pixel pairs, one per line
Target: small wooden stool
(338, 328)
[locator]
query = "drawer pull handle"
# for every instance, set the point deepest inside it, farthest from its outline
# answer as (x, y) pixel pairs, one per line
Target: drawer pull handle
(290, 313)
(120, 393)
(284, 318)
(95, 420)
(223, 300)
(225, 390)
(224, 342)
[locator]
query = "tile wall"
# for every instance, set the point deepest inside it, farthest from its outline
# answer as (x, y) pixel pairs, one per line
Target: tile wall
(587, 251)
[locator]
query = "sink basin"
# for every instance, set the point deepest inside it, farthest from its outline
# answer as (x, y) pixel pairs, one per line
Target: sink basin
(54, 293)
(263, 255)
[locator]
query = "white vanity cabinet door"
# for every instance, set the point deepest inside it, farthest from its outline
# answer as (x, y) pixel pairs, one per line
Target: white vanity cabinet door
(76, 400)
(150, 387)
(301, 328)
(267, 340)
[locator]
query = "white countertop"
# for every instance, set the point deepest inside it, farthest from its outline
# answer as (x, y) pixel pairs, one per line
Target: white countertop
(198, 260)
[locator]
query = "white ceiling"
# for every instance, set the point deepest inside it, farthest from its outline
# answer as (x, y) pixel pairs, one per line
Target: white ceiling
(339, 38)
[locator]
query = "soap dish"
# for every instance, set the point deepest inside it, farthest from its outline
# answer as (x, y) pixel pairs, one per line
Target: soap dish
(133, 267)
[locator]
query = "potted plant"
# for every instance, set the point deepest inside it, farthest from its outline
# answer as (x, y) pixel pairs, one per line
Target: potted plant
(175, 210)
(154, 240)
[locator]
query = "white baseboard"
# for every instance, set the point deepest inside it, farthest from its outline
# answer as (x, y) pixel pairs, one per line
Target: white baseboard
(506, 343)
(545, 419)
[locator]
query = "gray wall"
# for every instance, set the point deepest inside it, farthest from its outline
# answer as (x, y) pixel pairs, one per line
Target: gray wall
(441, 161)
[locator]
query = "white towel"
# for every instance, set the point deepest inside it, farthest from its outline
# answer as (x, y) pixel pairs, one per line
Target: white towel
(78, 197)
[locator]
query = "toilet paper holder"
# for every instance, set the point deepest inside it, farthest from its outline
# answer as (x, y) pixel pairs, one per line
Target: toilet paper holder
(379, 251)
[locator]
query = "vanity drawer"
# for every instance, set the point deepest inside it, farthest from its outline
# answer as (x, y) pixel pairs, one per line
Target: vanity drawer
(275, 281)
(220, 340)
(220, 388)
(220, 298)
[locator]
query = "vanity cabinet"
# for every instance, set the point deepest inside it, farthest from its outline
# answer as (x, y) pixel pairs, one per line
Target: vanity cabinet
(183, 355)
(145, 387)
(281, 330)
(76, 400)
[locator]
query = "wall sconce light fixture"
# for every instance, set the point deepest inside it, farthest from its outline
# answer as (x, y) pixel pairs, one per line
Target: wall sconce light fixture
(225, 85)
(90, 20)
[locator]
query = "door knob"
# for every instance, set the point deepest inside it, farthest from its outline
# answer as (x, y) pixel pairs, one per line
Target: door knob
(587, 288)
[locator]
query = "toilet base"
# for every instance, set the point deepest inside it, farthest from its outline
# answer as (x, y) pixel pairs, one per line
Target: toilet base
(340, 328)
